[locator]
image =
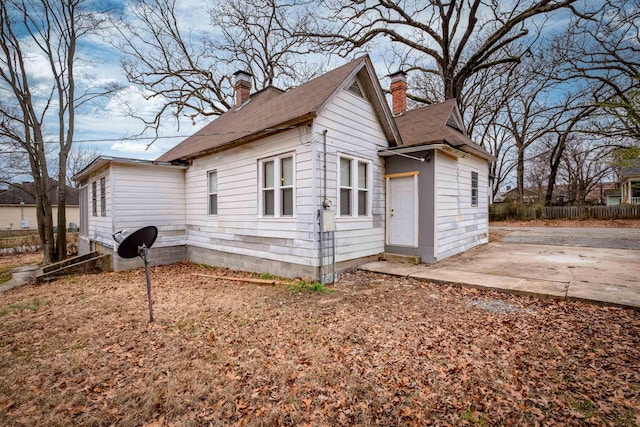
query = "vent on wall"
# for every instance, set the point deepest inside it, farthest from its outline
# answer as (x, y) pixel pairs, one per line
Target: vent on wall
(453, 123)
(355, 89)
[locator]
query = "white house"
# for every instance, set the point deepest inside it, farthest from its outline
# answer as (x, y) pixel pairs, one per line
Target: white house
(293, 183)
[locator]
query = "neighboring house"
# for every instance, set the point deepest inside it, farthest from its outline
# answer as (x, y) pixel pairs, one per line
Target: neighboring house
(18, 206)
(612, 196)
(630, 184)
(290, 182)
(511, 196)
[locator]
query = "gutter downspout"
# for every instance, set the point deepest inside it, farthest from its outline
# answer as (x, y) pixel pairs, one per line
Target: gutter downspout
(325, 200)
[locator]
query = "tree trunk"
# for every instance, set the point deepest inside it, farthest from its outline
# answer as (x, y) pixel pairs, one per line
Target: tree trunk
(61, 240)
(520, 174)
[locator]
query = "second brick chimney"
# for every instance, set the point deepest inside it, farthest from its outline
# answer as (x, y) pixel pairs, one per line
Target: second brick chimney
(242, 86)
(398, 92)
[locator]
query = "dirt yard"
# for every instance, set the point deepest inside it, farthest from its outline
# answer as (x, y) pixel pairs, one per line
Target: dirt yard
(376, 351)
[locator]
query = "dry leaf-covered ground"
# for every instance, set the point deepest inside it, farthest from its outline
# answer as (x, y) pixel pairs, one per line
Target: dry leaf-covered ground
(377, 351)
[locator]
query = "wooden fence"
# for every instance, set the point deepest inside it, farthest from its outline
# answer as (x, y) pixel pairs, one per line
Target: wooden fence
(506, 211)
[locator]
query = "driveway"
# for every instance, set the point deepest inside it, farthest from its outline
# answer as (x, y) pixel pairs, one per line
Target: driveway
(592, 264)
(613, 238)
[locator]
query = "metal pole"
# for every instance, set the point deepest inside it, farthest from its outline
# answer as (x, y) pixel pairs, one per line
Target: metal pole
(144, 251)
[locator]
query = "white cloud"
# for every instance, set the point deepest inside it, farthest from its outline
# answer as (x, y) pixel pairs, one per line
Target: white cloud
(136, 147)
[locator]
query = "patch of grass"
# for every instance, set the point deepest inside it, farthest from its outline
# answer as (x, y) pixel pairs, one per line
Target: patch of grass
(266, 276)
(585, 407)
(33, 305)
(5, 274)
(298, 287)
(627, 419)
(473, 417)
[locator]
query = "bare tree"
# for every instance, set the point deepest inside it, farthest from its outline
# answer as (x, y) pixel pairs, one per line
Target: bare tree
(450, 39)
(572, 117)
(52, 29)
(258, 35)
(78, 159)
(190, 72)
(584, 166)
(605, 48)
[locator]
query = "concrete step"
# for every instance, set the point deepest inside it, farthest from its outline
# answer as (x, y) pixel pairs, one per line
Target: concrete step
(93, 262)
(404, 259)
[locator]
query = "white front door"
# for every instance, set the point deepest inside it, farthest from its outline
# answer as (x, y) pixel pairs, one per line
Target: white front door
(402, 215)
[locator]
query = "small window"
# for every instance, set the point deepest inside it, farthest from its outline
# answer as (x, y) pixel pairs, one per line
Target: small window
(363, 191)
(212, 190)
(268, 189)
(286, 186)
(345, 187)
(94, 197)
(355, 197)
(103, 197)
(277, 186)
(474, 188)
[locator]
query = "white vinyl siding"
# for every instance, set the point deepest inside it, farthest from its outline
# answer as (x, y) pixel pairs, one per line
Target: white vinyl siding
(353, 131)
(240, 226)
(459, 225)
(150, 195)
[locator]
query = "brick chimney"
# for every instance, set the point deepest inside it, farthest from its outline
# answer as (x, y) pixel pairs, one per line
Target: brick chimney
(242, 86)
(398, 92)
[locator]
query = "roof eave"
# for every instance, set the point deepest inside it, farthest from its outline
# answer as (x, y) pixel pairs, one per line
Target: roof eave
(282, 127)
(101, 161)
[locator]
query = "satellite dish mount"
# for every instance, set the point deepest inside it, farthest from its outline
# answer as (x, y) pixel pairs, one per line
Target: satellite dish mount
(136, 244)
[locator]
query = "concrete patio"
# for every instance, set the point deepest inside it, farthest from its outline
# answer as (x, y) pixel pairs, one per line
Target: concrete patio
(596, 274)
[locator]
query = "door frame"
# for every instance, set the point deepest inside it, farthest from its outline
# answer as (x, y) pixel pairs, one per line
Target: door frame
(388, 178)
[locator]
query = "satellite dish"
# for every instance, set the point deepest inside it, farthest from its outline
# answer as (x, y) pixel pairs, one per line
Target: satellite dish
(136, 244)
(131, 245)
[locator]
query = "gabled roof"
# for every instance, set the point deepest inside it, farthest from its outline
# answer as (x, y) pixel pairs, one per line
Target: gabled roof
(630, 171)
(271, 110)
(26, 193)
(432, 125)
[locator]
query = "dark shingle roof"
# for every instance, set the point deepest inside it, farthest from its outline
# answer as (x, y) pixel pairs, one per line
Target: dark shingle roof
(264, 113)
(428, 125)
(629, 171)
(26, 192)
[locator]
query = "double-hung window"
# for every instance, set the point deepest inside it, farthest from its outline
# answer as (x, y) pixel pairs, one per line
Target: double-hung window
(94, 197)
(277, 186)
(212, 191)
(354, 191)
(474, 188)
(103, 197)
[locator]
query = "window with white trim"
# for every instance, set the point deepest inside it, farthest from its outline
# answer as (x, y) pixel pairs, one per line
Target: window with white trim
(212, 191)
(474, 188)
(103, 197)
(354, 181)
(277, 186)
(94, 198)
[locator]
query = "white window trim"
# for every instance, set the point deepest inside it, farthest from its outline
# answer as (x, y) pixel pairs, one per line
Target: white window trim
(355, 189)
(209, 193)
(277, 214)
(477, 188)
(94, 198)
(103, 196)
